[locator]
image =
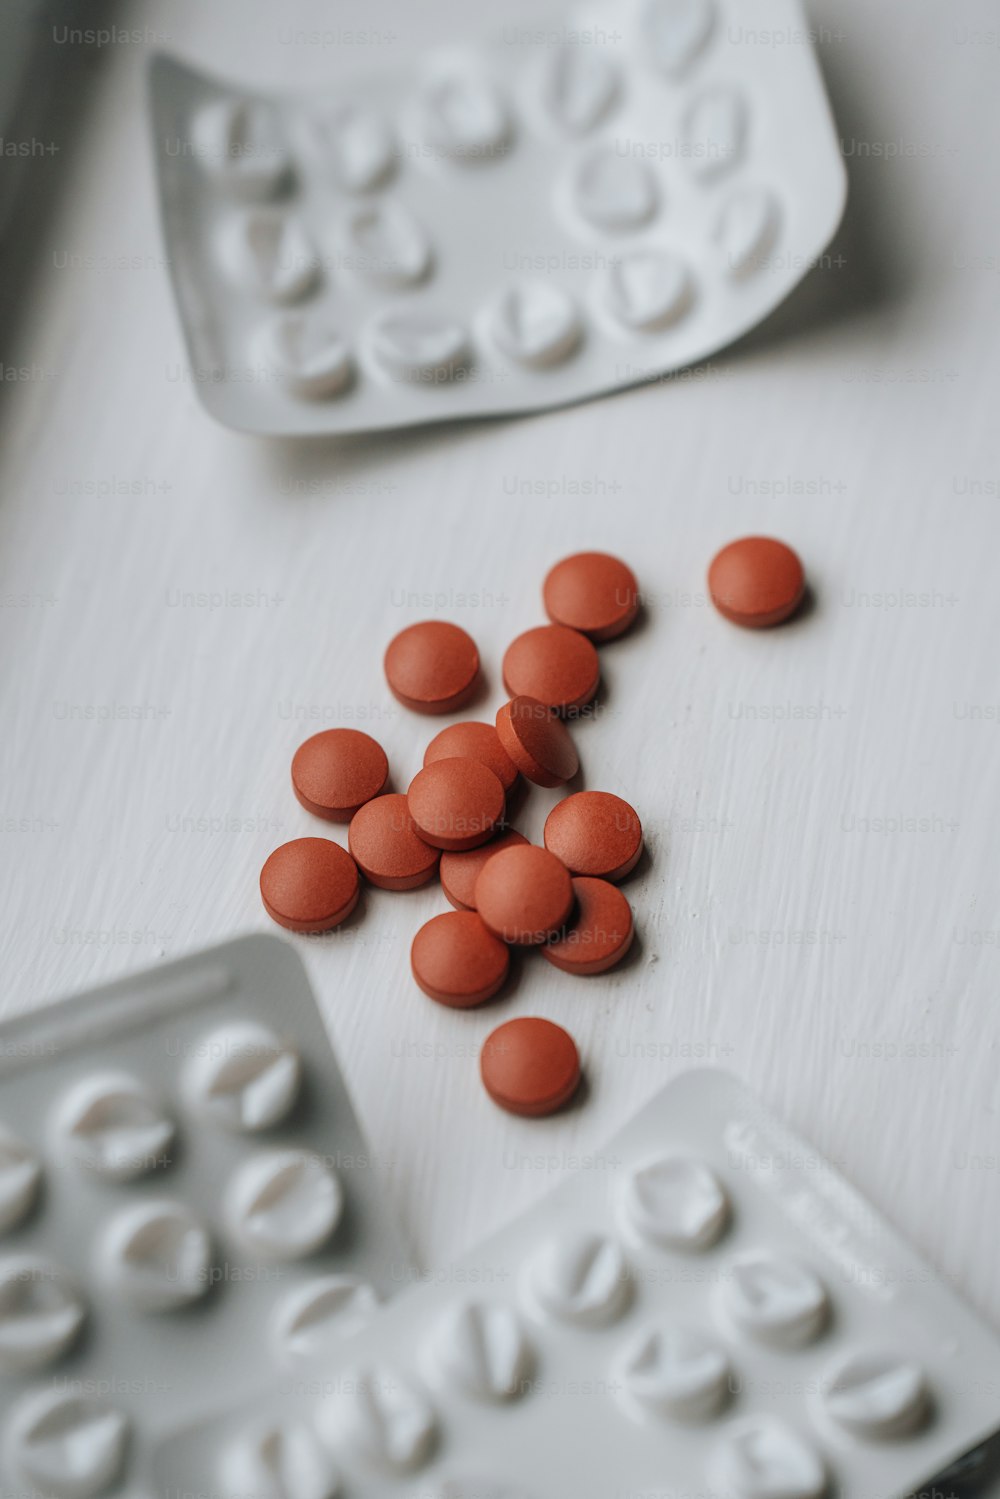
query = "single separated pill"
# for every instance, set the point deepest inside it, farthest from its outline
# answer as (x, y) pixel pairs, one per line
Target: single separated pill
(309, 885)
(455, 804)
(389, 851)
(432, 667)
(473, 741)
(756, 582)
(554, 664)
(459, 872)
(593, 593)
(530, 1066)
(524, 894)
(599, 933)
(336, 772)
(457, 960)
(595, 833)
(536, 741)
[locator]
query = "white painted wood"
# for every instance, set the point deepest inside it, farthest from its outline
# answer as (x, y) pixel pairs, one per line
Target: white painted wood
(848, 969)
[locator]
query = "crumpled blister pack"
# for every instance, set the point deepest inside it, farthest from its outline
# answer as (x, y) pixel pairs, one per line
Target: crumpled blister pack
(188, 1212)
(495, 229)
(706, 1308)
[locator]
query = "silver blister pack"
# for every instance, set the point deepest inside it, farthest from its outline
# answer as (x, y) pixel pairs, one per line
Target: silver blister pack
(495, 229)
(705, 1309)
(188, 1211)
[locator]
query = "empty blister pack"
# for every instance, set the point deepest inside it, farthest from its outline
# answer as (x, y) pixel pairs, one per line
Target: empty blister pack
(187, 1206)
(496, 229)
(706, 1309)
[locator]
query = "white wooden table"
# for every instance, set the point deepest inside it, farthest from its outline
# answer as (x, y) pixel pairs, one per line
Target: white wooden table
(821, 908)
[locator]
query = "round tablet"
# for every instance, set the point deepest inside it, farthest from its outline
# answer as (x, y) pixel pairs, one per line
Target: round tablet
(554, 664)
(381, 1418)
(432, 667)
(595, 833)
(278, 1458)
(580, 1277)
(459, 872)
(243, 1077)
(524, 894)
(538, 744)
(593, 593)
(455, 804)
(109, 1123)
(759, 1457)
(479, 1349)
(530, 1066)
(283, 1204)
(473, 741)
(776, 1299)
(387, 847)
(64, 1444)
(310, 1320)
(336, 772)
(157, 1256)
(42, 1310)
(756, 582)
(20, 1179)
(599, 934)
(458, 961)
(309, 885)
(877, 1395)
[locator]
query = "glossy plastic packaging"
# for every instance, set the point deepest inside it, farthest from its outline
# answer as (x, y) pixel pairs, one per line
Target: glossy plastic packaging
(190, 1213)
(708, 1308)
(499, 228)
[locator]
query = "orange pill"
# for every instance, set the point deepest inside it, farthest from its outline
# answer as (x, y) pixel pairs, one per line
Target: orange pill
(432, 667)
(459, 872)
(336, 772)
(524, 894)
(309, 885)
(592, 592)
(599, 934)
(458, 961)
(530, 1066)
(538, 744)
(456, 803)
(756, 582)
(554, 664)
(389, 851)
(595, 833)
(473, 741)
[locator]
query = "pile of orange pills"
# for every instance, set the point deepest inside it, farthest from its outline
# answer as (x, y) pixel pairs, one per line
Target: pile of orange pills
(561, 898)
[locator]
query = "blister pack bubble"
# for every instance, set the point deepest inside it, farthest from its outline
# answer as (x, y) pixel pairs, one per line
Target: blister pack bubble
(188, 1211)
(705, 1309)
(495, 229)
